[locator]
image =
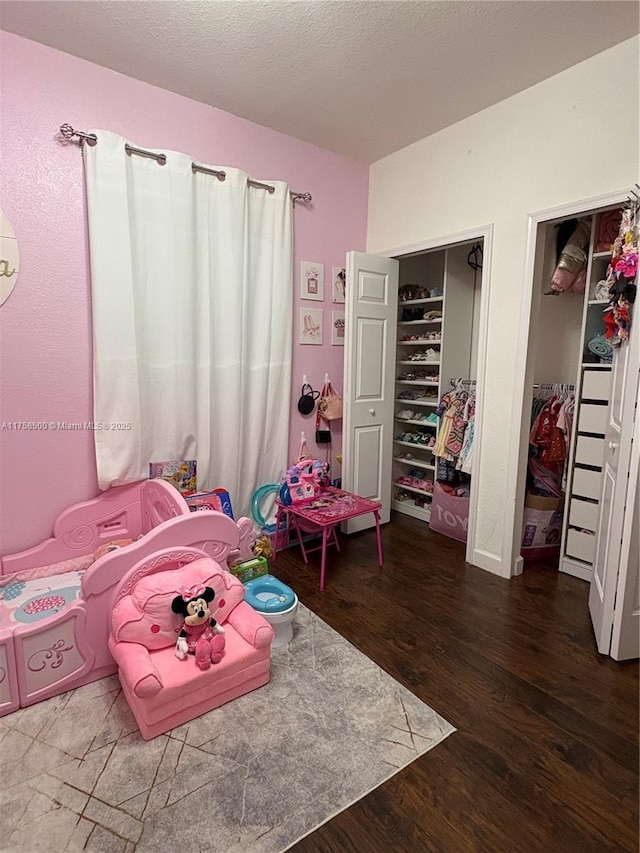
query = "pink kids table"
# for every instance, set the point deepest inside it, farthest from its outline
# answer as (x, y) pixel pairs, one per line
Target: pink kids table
(325, 511)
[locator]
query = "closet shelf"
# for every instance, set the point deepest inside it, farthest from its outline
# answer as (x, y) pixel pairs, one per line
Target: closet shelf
(602, 302)
(415, 382)
(409, 508)
(422, 301)
(413, 463)
(413, 444)
(601, 255)
(413, 489)
(432, 402)
(418, 423)
(422, 361)
(419, 322)
(596, 365)
(429, 341)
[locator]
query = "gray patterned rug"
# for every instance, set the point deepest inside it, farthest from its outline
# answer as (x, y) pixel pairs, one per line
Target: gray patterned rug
(254, 776)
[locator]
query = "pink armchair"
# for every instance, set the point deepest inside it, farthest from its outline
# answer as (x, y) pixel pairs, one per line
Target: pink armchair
(162, 690)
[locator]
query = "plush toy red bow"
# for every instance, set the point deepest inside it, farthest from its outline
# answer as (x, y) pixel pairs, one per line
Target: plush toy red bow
(189, 592)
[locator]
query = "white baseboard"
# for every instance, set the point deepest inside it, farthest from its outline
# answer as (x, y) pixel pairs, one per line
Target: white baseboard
(490, 563)
(518, 565)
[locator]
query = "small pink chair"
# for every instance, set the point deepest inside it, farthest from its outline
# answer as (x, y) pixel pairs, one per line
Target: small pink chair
(163, 691)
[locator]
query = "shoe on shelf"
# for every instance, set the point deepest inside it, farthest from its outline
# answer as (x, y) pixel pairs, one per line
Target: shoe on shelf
(432, 418)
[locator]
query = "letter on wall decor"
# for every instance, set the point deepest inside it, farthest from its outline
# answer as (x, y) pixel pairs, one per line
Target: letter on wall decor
(9, 258)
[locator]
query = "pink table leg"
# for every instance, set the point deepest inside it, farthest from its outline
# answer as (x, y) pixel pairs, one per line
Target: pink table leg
(324, 557)
(276, 536)
(294, 520)
(377, 517)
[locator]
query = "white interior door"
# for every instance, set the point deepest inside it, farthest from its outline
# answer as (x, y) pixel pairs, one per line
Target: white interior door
(371, 307)
(611, 572)
(625, 637)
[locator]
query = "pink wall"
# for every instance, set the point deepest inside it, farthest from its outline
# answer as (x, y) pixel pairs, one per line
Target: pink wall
(45, 339)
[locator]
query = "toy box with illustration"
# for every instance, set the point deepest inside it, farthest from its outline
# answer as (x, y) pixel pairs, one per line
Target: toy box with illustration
(180, 473)
(217, 499)
(203, 500)
(250, 569)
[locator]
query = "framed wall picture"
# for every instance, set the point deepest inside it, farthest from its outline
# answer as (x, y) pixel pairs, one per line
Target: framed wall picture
(311, 320)
(337, 328)
(311, 281)
(338, 283)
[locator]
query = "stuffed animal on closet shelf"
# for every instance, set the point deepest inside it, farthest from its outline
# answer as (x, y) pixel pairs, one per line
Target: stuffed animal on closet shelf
(200, 634)
(570, 274)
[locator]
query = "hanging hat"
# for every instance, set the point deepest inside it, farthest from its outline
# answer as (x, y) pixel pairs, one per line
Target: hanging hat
(307, 400)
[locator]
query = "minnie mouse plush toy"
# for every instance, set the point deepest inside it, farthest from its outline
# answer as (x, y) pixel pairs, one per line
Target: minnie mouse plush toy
(200, 635)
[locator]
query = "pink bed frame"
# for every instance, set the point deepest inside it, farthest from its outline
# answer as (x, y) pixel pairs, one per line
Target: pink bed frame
(69, 648)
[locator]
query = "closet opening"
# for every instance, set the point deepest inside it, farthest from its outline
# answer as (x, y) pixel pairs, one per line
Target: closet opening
(569, 370)
(435, 430)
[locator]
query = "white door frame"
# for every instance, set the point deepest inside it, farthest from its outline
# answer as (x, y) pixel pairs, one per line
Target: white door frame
(473, 555)
(523, 384)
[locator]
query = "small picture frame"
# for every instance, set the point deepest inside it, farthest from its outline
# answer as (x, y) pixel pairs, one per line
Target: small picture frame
(337, 328)
(338, 284)
(312, 281)
(311, 322)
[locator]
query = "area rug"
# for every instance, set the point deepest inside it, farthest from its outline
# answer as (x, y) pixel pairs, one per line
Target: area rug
(254, 776)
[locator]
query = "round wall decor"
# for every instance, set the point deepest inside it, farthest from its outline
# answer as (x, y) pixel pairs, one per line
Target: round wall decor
(9, 259)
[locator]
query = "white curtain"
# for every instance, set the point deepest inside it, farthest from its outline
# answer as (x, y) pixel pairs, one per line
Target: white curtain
(191, 282)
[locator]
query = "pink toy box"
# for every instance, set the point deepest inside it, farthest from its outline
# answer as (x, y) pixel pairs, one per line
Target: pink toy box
(55, 599)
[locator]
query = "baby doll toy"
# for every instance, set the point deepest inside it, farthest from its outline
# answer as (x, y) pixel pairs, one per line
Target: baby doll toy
(200, 634)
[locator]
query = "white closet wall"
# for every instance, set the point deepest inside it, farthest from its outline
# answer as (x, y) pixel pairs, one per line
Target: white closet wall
(559, 324)
(460, 326)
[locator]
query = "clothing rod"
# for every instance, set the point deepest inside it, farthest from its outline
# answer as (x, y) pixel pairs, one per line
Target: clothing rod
(91, 139)
(549, 386)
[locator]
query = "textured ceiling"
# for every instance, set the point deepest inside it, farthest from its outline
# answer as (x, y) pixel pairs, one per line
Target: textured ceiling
(361, 77)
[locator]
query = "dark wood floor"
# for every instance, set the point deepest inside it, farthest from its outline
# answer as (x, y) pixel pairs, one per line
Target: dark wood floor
(546, 753)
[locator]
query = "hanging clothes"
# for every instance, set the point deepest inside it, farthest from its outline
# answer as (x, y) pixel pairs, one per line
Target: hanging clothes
(464, 462)
(452, 426)
(548, 442)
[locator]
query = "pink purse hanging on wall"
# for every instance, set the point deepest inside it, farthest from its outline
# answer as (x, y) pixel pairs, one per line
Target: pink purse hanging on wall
(330, 402)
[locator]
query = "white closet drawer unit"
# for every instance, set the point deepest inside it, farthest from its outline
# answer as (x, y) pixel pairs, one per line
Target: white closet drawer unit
(581, 546)
(592, 418)
(584, 514)
(586, 484)
(589, 451)
(596, 384)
